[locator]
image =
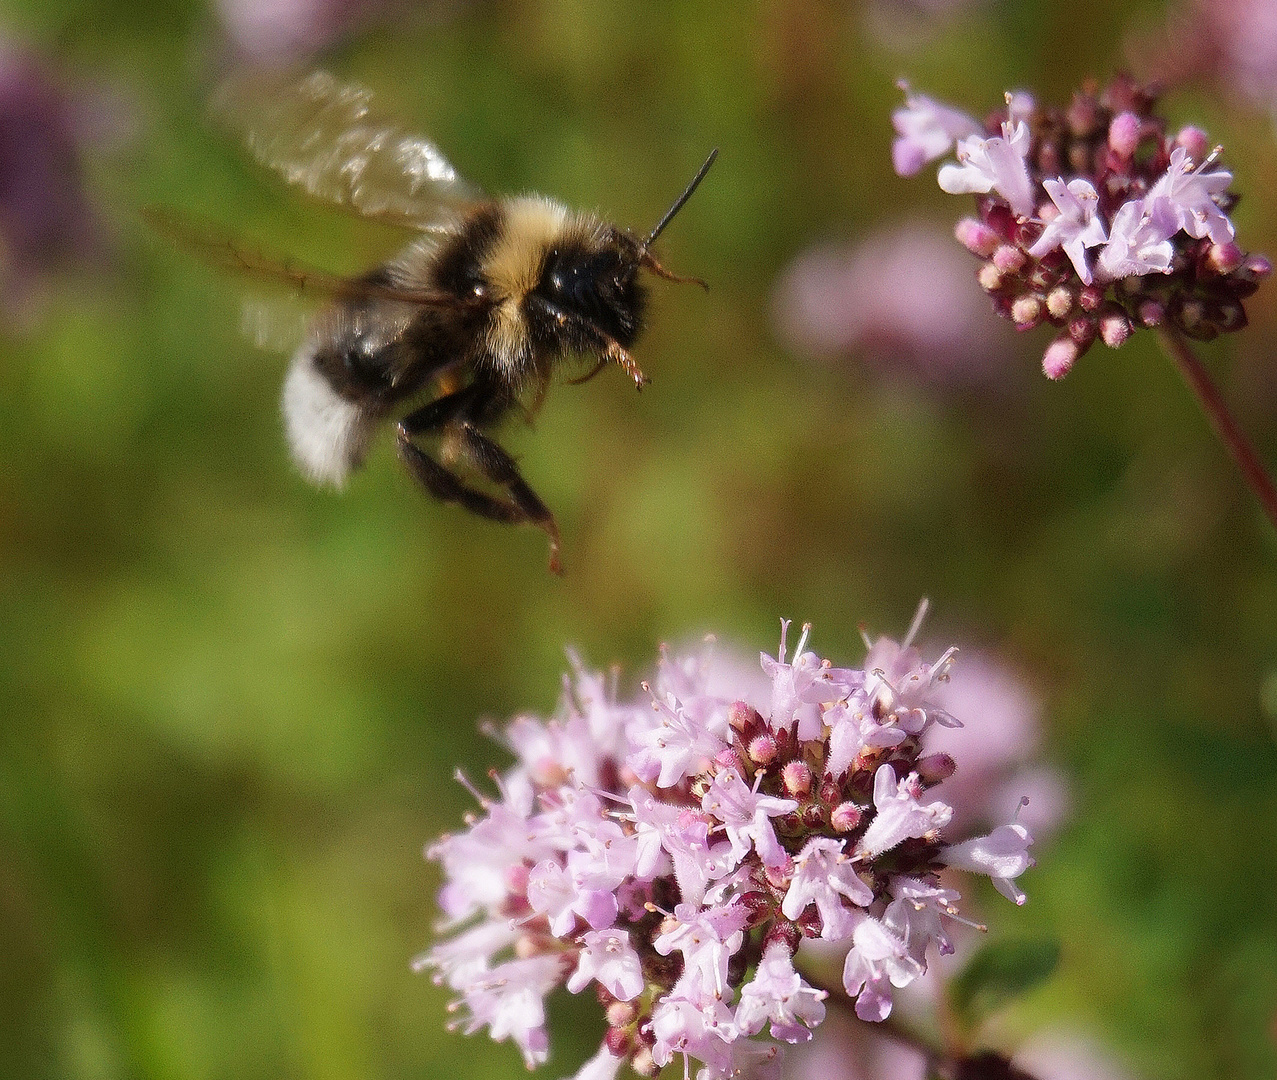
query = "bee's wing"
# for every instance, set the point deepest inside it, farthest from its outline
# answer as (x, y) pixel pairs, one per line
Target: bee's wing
(326, 137)
(215, 247)
(277, 324)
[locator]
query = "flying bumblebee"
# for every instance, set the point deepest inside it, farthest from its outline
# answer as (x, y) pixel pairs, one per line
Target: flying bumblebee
(486, 301)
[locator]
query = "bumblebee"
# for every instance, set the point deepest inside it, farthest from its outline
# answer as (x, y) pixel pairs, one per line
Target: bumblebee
(482, 307)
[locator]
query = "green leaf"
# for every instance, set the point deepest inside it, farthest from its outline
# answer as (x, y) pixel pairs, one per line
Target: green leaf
(999, 973)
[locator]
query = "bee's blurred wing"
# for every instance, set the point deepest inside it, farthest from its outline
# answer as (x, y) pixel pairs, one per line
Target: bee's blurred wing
(275, 324)
(325, 136)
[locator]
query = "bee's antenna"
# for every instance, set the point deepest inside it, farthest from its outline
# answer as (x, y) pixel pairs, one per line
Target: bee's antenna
(679, 202)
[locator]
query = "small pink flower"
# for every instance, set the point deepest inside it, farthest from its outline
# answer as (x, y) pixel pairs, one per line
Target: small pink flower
(1187, 194)
(1077, 227)
(778, 994)
(926, 130)
(994, 164)
(608, 957)
(900, 813)
(823, 875)
(1003, 855)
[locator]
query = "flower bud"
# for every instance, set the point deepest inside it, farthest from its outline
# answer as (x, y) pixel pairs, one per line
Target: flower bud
(643, 1064)
(1224, 258)
(1229, 315)
(618, 1040)
(1192, 315)
(977, 237)
(757, 904)
(1082, 116)
(1152, 313)
(796, 779)
(1115, 327)
(1060, 355)
(727, 758)
(621, 1013)
(1026, 312)
(1195, 141)
(989, 277)
(935, 767)
(742, 716)
(1083, 329)
(1259, 266)
(1009, 259)
(1059, 302)
(1090, 298)
(1124, 134)
(762, 749)
(846, 816)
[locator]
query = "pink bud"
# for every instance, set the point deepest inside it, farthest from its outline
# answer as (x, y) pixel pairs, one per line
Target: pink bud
(1026, 312)
(1258, 266)
(1083, 330)
(1195, 141)
(618, 1040)
(1224, 258)
(990, 277)
(1152, 313)
(643, 1063)
(741, 715)
(1115, 327)
(1124, 134)
(1192, 314)
(1009, 259)
(620, 1013)
(762, 749)
(1060, 355)
(846, 816)
(727, 758)
(1059, 302)
(1091, 297)
(936, 767)
(977, 237)
(796, 778)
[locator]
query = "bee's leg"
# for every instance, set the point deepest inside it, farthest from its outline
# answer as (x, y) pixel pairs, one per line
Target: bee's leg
(487, 456)
(446, 486)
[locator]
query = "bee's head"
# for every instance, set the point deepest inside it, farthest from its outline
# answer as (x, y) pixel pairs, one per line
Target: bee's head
(597, 283)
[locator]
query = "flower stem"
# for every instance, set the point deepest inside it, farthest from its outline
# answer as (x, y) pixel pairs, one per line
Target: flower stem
(1222, 420)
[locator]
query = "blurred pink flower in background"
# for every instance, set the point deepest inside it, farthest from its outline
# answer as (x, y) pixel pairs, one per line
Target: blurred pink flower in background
(1065, 1055)
(285, 31)
(997, 746)
(46, 220)
(907, 25)
(851, 1051)
(1232, 42)
(904, 298)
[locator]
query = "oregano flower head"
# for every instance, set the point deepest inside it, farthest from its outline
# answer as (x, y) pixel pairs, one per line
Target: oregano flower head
(1092, 217)
(672, 852)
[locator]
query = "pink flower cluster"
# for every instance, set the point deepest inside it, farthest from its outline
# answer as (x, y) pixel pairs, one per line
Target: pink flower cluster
(1091, 218)
(674, 852)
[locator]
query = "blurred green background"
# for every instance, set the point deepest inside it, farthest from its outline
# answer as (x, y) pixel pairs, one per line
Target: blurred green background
(233, 704)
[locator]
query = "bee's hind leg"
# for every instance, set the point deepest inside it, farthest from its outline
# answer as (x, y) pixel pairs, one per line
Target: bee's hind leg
(489, 458)
(523, 505)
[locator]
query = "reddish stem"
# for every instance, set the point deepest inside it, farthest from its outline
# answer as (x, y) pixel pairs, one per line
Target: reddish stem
(1222, 421)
